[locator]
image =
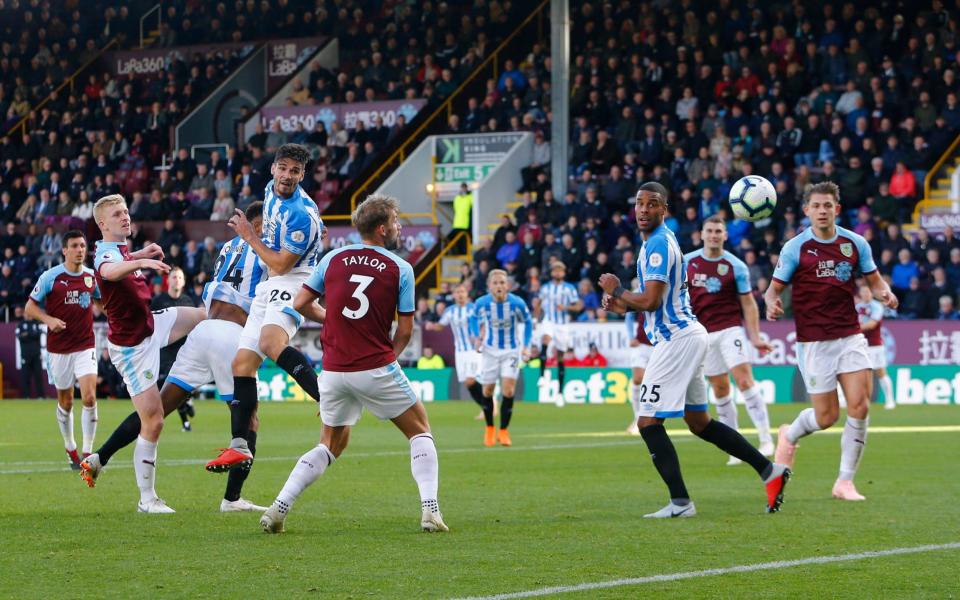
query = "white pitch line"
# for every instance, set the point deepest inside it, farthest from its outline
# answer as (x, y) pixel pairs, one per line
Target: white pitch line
(874, 429)
(766, 566)
(60, 466)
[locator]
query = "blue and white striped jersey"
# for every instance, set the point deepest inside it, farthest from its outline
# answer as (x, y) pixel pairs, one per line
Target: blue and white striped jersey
(501, 320)
(462, 321)
(662, 260)
(292, 224)
(236, 275)
(553, 294)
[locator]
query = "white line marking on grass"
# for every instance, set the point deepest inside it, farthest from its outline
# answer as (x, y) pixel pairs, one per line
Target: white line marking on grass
(832, 431)
(46, 466)
(766, 566)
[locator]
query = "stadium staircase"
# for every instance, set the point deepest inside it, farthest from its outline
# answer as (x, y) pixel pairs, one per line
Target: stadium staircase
(939, 193)
(443, 261)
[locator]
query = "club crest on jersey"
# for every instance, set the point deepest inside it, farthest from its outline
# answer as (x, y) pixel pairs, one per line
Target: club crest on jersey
(88, 281)
(846, 250)
(297, 236)
(656, 260)
(722, 270)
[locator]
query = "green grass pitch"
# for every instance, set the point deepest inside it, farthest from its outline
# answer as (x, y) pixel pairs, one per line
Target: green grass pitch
(561, 507)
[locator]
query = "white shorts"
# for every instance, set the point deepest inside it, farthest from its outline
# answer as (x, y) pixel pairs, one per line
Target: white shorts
(726, 349)
(207, 356)
(821, 362)
(273, 305)
(560, 335)
(384, 391)
(63, 370)
(496, 364)
(640, 356)
(140, 365)
(878, 356)
(673, 381)
(468, 364)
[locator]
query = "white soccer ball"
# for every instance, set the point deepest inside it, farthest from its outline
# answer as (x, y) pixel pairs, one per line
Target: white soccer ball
(753, 198)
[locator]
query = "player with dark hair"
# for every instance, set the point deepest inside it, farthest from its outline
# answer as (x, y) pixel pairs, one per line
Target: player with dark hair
(722, 300)
(461, 318)
(136, 336)
(673, 383)
(289, 246)
(207, 355)
(63, 300)
(558, 298)
(364, 286)
(821, 263)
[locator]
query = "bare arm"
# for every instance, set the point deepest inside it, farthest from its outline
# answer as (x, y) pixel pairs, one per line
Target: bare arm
(881, 291)
(431, 326)
(34, 311)
(306, 304)
(401, 336)
(279, 262)
(751, 320)
(869, 325)
(622, 301)
(118, 270)
(772, 298)
(149, 251)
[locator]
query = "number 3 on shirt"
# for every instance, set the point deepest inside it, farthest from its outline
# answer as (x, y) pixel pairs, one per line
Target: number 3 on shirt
(362, 281)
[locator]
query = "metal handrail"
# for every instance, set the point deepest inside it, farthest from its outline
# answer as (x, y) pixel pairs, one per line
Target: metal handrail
(932, 173)
(447, 104)
(22, 123)
(144, 18)
(434, 265)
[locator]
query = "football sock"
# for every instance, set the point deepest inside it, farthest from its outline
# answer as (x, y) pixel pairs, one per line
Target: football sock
(236, 477)
(242, 406)
(309, 468)
(184, 411)
(65, 421)
(145, 467)
(125, 434)
(476, 392)
(426, 469)
(488, 410)
(757, 409)
(506, 411)
(730, 441)
(88, 424)
(635, 399)
(543, 358)
(852, 442)
(296, 364)
(561, 371)
(665, 459)
(727, 411)
(803, 425)
(887, 386)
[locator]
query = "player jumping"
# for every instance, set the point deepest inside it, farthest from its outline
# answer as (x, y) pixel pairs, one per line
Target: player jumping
(500, 312)
(461, 318)
(871, 324)
(63, 300)
(721, 295)
(364, 286)
(821, 263)
(207, 354)
(673, 384)
(558, 299)
(289, 246)
(135, 336)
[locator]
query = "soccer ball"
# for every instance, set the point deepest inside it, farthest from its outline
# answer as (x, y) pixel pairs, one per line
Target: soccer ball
(753, 198)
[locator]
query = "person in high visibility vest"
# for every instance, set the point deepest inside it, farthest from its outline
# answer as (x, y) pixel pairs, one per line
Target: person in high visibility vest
(429, 360)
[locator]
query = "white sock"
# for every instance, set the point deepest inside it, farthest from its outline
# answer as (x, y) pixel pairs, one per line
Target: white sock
(309, 468)
(757, 409)
(635, 400)
(145, 468)
(65, 421)
(803, 425)
(88, 423)
(727, 411)
(426, 469)
(852, 442)
(887, 386)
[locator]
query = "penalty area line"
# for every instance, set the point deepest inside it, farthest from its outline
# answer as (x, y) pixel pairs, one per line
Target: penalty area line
(765, 566)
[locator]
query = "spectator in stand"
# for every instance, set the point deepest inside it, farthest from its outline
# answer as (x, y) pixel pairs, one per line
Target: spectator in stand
(946, 311)
(593, 357)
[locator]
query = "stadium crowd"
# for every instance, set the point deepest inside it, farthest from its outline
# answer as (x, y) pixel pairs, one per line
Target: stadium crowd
(111, 132)
(695, 98)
